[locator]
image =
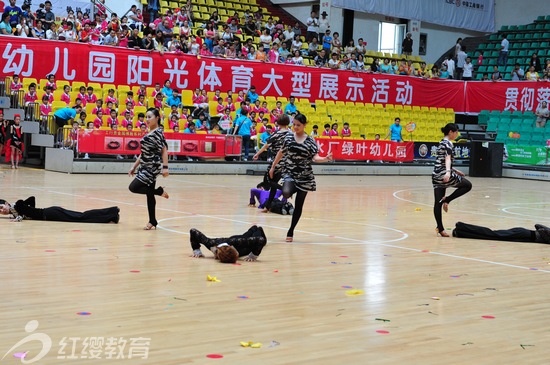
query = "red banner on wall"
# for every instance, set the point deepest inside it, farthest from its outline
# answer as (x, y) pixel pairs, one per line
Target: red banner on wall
(105, 142)
(182, 144)
(362, 150)
(514, 96)
(120, 66)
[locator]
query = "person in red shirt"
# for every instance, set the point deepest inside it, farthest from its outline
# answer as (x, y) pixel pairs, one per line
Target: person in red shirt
(334, 130)
(15, 84)
(98, 121)
(45, 108)
(31, 96)
(82, 95)
(346, 132)
(66, 97)
(90, 97)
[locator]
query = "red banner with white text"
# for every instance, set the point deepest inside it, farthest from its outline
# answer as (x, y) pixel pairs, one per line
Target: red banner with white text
(363, 150)
(106, 142)
(514, 96)
(128, 143)
(120, 66)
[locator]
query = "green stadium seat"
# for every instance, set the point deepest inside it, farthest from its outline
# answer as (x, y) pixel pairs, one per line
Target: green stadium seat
(526, 128)
(539, 26)
(547, 26)
(479, 75)
(482, 46)
(504, 28)
(493, 37)
(512, 27)
(491, 46)
(530, 26)
(501, 137)
(507, 77)
(538, 140)
(505, 114)
(547, 19)
(482, 69)
(492, 124)
(544, 45)
(522, 27)
(540, 18)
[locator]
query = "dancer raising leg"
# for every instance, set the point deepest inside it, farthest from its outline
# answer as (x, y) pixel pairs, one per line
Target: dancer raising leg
(152, 162)
(299, 151)
(445, 176)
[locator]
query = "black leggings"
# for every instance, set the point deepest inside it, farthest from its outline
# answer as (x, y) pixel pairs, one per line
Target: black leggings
(139, 187)
(439, 193)
(273, 186)
(289, 188)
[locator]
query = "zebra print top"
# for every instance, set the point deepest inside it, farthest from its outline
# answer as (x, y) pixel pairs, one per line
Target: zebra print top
(298, 158)
(444, 149)
(151, 156)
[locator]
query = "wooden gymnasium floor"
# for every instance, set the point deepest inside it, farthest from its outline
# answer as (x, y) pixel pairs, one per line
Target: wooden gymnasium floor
(424, 298)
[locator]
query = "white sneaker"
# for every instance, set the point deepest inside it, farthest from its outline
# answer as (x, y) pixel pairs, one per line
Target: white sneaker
(86, 157)
(119, 157)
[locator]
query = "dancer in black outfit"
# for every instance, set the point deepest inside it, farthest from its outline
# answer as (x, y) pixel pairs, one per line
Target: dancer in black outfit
(445, 176)
(152, 162)
(541, 234)
(26, 209)
(298, 151)
(228, 250)
(273, 145)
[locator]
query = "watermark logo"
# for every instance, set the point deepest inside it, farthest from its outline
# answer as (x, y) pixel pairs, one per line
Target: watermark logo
(73, 348)
(42, 337)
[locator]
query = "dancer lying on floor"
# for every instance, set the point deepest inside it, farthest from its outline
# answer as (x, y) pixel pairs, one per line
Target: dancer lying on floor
(541, 234)
(26, 209)
(229, 249)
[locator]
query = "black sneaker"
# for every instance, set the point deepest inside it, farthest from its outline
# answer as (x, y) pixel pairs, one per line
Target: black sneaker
(540, 226)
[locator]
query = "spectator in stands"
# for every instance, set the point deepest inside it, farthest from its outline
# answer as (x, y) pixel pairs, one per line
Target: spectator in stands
(219, 49)
(297, 59)
(449, 63)
(47, 16)
(542, 114)
(153, 6)
(385, 68)
(15, 13)
(361, 47)
(252, 95)
(422, 71)
(536, 62)
(273, 55)
(69, 34)
(149, 42)
(290, 108)
(321, 59)
(323, 25)
(297, 30)
(243, 125)
(134, 40)
(38, 31)
(496, 76)
(462, 55)
(65, 115)
(547, 69)
(134, 20)
(336, 43)
(312, 27)
(407, 45)
(334, 62)
(444, 72)
(468, 69)
(159, 42)
(166, 30)
(5, 27)
(296, 44)
(327, 42)
(22, 29)
(503, 54)
(395, 131)
(111, 39)
(532, 75)
(517, 73)
(435, 73)
(458, 48)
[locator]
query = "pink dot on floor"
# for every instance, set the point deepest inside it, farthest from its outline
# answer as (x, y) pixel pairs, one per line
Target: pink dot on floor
(49, 250)
(383, 332)
(425, 251)
(236, 264)
(344, 256)
(214, 356)
(488, 317)
(135, 271)
(20, 355)
(76, 230)
(149, 245)
(84, 313)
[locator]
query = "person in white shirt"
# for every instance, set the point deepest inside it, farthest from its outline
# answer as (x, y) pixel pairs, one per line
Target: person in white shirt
(289, 36)
(467, 70)
(450, 63)
(461, 59)
(312, 27)
(503, 55)
(517, 73)
(266, 39)
(323, 24)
